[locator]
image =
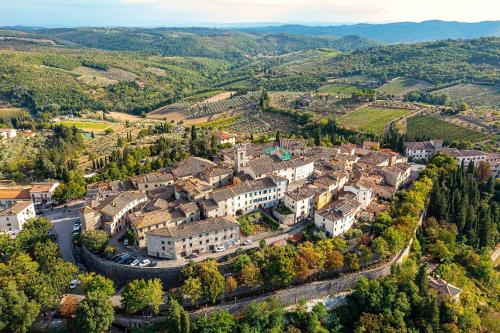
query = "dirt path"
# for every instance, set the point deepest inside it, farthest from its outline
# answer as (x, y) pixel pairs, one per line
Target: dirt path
(219, 97)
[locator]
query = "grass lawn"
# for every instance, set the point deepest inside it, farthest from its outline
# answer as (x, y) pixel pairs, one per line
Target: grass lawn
(428, 127)
(256, 222)
(370, 120)
(338, 89)
(88, 126)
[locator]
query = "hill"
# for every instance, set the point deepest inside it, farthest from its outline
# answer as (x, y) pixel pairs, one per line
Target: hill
(401, 32)
(198, 42)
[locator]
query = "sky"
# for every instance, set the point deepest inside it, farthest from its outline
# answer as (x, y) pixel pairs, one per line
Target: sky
(69, 13)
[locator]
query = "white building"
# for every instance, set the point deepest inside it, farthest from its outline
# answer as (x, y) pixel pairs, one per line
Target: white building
(245, 197)
(43, 193)
(193, 237)
(363, 192)
(10, 195)
(423, 150)
(338, 217)
(226, 138)
(7, 133)
(301, 202)
(293, 169)
(13, 218)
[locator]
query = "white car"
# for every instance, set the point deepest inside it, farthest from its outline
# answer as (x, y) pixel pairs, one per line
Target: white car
(73, 284)
(145, 262)
(247, 241)
(136, 262)
(220, 249)
(125, 242)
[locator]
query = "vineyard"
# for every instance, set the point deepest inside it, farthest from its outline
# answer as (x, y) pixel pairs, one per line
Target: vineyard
(323, 105)
(473, 94)
(428, 127)
(9, 112)
(401, 86)
(371, 120)
(19, 153)
(203, 109)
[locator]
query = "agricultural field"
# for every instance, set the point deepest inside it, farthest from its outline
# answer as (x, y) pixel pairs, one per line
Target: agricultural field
(184, 110)
(8, 112)
(401, 86)
(371, 119)
(473, 94)
(424, 127)
(203, 96)
(88, 125)
(18, 154)
(339, 90)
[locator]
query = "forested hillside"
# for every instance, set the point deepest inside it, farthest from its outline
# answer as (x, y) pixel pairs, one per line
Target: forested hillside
(436, 62)
(198, 42)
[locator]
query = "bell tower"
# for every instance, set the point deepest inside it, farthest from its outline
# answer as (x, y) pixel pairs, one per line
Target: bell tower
(240, 157)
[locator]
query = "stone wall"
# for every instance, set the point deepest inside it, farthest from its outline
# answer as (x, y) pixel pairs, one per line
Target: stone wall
(122, 274)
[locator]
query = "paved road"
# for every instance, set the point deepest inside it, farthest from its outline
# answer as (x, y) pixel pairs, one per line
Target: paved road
(63, 219)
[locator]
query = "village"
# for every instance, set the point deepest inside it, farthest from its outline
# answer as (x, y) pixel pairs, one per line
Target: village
(198, 209)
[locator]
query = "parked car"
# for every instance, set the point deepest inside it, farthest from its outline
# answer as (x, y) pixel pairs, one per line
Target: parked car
(125, 242)
(136, 262)
(145, 262)
(248, 241)
(123, 258)
(219, 249)
(114, 257)
(73, 284)
(153, 263)
(192, 256)
(129, 261)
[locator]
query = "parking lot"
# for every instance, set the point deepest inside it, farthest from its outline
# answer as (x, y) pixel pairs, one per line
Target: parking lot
(63, 220)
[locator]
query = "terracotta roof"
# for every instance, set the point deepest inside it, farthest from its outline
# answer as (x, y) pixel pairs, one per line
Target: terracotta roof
(222, 135)
(153, 177)
(114, 204)
(444, 287)
(196, 227)
(141, 220)
(192, 166)
(15, 193)
(43, 187)
(339, 209)
(268, 164)
(301, 193)
(290, 144)
(16, 208)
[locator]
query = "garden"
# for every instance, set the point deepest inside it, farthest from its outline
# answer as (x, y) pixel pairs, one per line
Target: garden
(257, 222)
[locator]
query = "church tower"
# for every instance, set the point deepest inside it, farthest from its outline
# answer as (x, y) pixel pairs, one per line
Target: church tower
(240, 157)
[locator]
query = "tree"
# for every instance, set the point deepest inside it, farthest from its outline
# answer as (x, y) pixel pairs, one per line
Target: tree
(301, 267)
(192, 288)
(334, 260)
(317, 136)
(95, 240)
(17, 312)
(142, 295)
(217, 322)
(69, 306)
(380, 247)
(93, 282)
(250, 275)
(176, 319)
(483, 171)
(351, 262)
(266, 316)
(194, 133)
(212, 281)
(95, 313)
(278, 136)
(231, 284)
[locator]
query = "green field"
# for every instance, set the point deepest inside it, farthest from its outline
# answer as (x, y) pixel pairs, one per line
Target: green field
(339, 89)
(428, 127)
(8, 112)
(370, 120)
(88, 126)
(202, 96)
(402, 86)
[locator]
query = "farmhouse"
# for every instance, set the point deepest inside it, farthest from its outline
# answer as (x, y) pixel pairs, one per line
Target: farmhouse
(423, 150)
(194, 237)
(226, 138)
